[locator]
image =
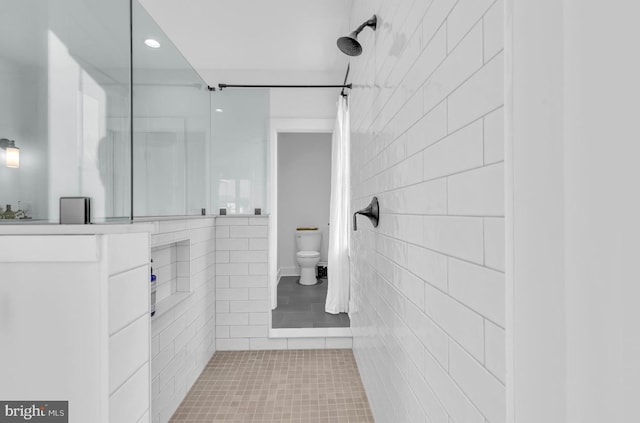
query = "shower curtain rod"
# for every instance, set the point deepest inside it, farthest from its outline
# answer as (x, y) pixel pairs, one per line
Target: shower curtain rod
(343, 86)
(223, 86)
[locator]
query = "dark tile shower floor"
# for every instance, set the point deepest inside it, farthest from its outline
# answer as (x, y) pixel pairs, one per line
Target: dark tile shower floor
(303, 306)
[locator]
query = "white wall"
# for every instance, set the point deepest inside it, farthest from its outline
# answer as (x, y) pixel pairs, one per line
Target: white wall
(573, 213)
(299, 103)
(428, 293)
(538, 390)
(304, 191)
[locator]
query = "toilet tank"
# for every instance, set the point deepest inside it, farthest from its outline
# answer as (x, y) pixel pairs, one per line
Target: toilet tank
(308, 240)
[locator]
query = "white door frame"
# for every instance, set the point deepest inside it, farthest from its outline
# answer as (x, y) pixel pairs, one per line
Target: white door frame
(572, 210)
(284, 126)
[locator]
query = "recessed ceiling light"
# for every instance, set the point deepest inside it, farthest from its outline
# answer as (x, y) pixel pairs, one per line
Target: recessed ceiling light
(219, 110)
(152, 43)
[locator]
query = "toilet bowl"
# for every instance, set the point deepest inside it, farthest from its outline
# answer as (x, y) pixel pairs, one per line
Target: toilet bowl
(308, 242)
(307, 261)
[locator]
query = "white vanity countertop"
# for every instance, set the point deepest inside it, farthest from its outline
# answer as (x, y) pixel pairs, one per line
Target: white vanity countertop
(152, 225)
(93, 229)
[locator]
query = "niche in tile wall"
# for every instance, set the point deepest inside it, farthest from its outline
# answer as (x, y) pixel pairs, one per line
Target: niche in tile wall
(172, 267)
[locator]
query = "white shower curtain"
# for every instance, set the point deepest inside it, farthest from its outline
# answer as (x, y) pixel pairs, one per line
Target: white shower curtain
(339, 222)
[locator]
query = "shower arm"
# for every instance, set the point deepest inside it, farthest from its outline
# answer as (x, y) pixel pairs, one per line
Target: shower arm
(372, 211)
(371, 22)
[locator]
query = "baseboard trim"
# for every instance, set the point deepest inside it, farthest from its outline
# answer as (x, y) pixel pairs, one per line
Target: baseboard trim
(289, 271)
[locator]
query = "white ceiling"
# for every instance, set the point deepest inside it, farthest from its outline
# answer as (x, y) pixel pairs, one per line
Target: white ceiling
(271, 36)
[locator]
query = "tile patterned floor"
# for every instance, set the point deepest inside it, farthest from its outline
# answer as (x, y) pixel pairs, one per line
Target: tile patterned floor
(288, 386)
(303, 306)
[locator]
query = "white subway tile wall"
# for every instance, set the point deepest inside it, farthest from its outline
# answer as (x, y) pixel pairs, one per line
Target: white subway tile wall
(182, 337)
(242, 290)
(428, 288)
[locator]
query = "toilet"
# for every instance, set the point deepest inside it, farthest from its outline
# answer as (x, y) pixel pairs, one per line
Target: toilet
(308, 242)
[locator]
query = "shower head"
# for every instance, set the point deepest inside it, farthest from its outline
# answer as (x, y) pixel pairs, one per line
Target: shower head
(349, 44)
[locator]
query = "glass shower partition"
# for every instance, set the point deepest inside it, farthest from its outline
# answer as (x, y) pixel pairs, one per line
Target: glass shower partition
(65, 103)
(240, 150)
(72, 75)
(171, 125)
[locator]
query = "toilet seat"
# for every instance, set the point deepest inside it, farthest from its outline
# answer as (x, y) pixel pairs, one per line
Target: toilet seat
(308, 254)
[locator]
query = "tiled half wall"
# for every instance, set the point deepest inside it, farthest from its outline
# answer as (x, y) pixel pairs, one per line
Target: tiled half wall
(242, 289)
(183, 329)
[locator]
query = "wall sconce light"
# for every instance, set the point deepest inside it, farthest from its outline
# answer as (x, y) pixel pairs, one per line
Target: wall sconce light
(12, 152)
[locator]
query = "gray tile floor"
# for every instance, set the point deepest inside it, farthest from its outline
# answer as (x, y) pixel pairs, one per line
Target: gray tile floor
(303, 306)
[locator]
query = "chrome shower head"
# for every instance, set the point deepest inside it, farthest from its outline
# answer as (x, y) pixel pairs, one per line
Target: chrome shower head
(349, 44)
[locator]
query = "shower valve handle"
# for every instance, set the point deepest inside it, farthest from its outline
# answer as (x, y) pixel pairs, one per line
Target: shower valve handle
(372, 211)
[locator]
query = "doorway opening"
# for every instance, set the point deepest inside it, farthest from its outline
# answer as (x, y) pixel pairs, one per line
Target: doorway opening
(300, 199)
